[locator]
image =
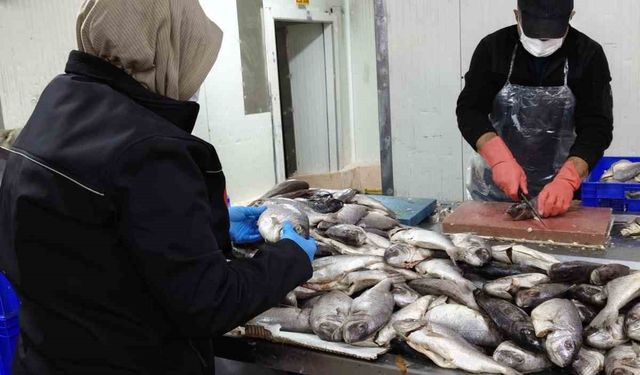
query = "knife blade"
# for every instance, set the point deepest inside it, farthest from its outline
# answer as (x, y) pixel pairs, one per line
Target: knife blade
(526, 201)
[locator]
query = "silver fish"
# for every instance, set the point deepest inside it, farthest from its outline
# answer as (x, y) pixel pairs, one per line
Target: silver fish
(285, 187)
(529, 298)
(406, 256)
(344, 249)
(468, 323)
(443, 269)
(626, 172)
(506, 287)
(344, 195)
(524, 256)
(438, 287)
(619, 292)
(378, 221)
(525, 361)
(447, 349)
(349, 214)
(414, 311)
(473, 250)
(423, 238)
(378, 241)
(393, 271)
(336, 267)
(303, 293)
(632, 323)
(371, 203)
(587, 313)
(623, 360)
(289, 319)
(329, 314)
(608, 272)
(632, 229)
(347, 234)
(588, 362)
(589, 294)
(608, 336)
(559, 321)
(404, 295)
(369, 313)
(271, 221)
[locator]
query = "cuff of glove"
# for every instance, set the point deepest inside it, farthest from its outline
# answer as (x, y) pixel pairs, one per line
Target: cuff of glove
(569, 174)
(496, 152)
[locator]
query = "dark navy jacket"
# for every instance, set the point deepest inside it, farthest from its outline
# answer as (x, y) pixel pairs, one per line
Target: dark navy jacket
(112, 226)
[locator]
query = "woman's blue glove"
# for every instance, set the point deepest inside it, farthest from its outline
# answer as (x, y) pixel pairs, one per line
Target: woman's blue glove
(244, 224)
(309, 246)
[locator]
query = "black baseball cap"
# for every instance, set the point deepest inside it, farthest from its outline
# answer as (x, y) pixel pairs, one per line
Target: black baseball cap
(545, 19)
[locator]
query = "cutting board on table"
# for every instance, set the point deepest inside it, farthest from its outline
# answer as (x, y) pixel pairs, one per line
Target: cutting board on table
(581, 226)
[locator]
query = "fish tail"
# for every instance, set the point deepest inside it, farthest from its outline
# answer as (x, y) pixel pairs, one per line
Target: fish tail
(605, 318)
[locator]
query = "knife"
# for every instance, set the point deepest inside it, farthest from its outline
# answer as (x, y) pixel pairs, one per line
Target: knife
(526, 201)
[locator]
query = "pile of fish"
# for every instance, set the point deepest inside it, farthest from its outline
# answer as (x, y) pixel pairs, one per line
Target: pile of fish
(622, 171)
(463, 304)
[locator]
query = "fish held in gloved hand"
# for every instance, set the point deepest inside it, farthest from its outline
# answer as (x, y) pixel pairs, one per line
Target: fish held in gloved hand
(289, 319)
(511, 320)
(460, 293)
(369, 313)
(329, 314)
(559, 321)
(447, 349)
(414, 311)
(271, 221)
(525, 361)
(523, 211)
(468, 323)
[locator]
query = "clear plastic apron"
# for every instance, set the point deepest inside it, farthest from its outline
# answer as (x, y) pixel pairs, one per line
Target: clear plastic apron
(537, 125)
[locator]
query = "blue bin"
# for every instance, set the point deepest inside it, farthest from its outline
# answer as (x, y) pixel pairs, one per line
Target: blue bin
(9, 324)
(610, 194)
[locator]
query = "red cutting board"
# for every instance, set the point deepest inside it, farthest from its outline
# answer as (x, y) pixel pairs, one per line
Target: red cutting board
(580, 226)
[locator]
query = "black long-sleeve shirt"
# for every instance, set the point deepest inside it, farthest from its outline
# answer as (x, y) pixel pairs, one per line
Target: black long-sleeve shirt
(589, 79)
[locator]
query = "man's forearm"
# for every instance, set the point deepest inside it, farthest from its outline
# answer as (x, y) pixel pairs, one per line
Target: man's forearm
(581, 166)
(484, 139)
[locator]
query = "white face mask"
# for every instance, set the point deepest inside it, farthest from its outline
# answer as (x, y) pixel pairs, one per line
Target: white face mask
(195, 96)
(540, 48)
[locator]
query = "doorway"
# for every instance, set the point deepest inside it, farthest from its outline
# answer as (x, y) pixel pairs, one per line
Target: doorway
(301, 68)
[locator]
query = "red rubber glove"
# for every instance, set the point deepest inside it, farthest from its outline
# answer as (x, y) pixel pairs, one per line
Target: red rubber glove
(508, 175)
(556, 197)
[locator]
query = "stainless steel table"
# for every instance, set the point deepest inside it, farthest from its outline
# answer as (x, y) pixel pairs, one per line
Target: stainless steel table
(401, 359)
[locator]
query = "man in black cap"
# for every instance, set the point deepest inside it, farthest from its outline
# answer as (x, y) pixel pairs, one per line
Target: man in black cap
(537, 106)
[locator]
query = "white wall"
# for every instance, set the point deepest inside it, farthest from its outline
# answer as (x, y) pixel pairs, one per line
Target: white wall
(438, 38)
(37, 35)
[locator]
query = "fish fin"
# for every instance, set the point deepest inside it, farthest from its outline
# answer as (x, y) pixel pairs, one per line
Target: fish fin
(439, 360)
(605, 318)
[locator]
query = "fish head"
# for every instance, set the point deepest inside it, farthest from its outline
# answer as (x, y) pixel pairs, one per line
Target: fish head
(330, 329)
(622, 371)
(525, 298)
(509, 357)
(632, 322)
(400, 255)
(478, 256)
(562, 347)
(405, 327)
(529, 339)
(356, 330)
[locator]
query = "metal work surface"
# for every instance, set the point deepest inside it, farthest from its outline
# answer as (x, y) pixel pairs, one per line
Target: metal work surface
(401, 360)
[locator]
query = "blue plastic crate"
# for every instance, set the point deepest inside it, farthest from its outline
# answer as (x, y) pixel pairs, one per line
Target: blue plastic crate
(610, 194)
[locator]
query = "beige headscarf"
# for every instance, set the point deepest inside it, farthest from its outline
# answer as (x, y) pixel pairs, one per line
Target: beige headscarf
(167, 45)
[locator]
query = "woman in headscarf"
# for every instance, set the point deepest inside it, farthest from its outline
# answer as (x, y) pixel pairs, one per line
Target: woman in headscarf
(114, 222)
